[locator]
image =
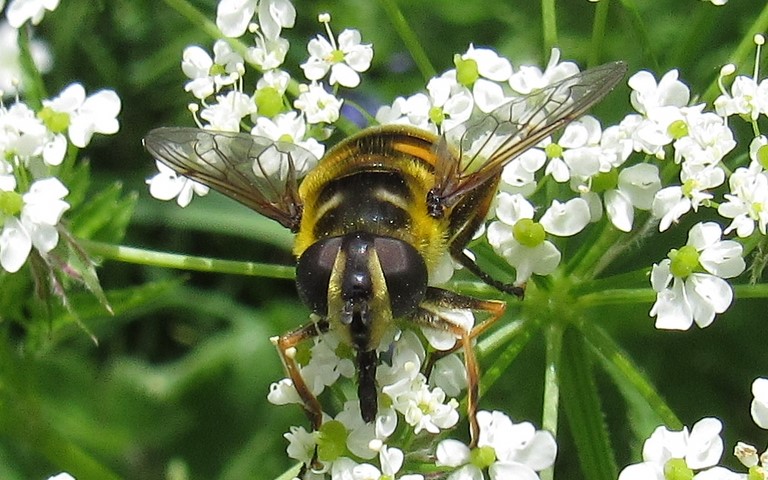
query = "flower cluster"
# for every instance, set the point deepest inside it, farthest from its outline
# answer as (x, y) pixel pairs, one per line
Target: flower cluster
(653, 170)
(222, 103)
(695, 454)
(32, 146)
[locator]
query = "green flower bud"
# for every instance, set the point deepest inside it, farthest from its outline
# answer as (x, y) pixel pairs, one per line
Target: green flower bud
(605, 181)
(684, 261)
(528, 233)
(10, 203)
(57, 122)
(677, 129)
(676, 469)
(482, 457)
(436, 115)
(762, 156)
(268, 101)
(331, 441)
(553, 150)
(466, 70)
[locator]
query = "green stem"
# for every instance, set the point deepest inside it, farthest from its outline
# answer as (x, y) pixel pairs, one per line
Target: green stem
(549, 25)
(744, 49)
(598, 32)
(186, 262)
(622, 296)
(584, 412)
(554, 339)
(409, 38)
(627, 374)
(759, 290)
(34, 87)
(510, 339)
(645, 45)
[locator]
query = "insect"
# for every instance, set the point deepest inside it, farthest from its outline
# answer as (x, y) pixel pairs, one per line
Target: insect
(377, 214)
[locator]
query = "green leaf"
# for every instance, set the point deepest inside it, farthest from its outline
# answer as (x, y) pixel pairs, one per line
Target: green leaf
(105, 216)
(581, 402)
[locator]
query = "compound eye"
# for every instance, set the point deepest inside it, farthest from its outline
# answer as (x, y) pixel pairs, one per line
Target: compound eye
(405, 273)
(313, 273)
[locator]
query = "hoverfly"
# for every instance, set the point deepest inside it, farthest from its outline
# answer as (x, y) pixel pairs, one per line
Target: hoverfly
(378, 212)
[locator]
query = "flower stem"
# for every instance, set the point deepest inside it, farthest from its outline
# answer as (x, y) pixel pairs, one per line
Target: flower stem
(742, 51)
(628, 377)
(554, 339)
(408, 36)
(598, 32)
(642, 33)
(549, 25)
(34, 87)
(185, 262)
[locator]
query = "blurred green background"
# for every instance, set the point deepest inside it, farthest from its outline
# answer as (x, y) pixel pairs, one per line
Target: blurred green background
(176, 387)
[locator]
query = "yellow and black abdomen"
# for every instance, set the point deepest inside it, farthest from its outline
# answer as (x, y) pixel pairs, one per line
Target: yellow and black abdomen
(374, 182)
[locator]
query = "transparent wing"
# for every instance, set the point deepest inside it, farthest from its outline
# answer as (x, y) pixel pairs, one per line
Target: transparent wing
(482, 148)
(257, 172)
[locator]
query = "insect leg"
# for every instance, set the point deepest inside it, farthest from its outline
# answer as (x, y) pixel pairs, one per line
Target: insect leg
(429, 315)
(286, 347)
(466, 262)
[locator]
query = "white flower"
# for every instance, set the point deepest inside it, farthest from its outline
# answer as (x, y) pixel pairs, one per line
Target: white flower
(648, 96)
(364, 438)
(707, 141)
(401, 380)
(747, 98)
(274, 15)
(391, 461)
(577, 152)
(301, 444)
(10, 69)
(489, 64)
(318, 105)
(530, 78)
(344, 60)
(225, 115)
(747, 203)
(637, 186)
(698, 449)
(167, 185)
(23, 136)
(695, 272)
(62, 476)
(209, 75)
(19, 11)
(671, 203)
(482, 69)
(268, 54)
(290, 127)
(233, 16)
(759, 407)
(446, 105)
(83, 116)
(506, 449)
(323, 369)
(39, 211)
(522, 242)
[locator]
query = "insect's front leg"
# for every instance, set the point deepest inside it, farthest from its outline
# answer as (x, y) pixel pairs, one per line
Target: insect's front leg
(429, 315)
(286, 347)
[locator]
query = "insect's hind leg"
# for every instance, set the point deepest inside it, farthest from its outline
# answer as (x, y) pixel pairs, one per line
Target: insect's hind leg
(429, 315)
